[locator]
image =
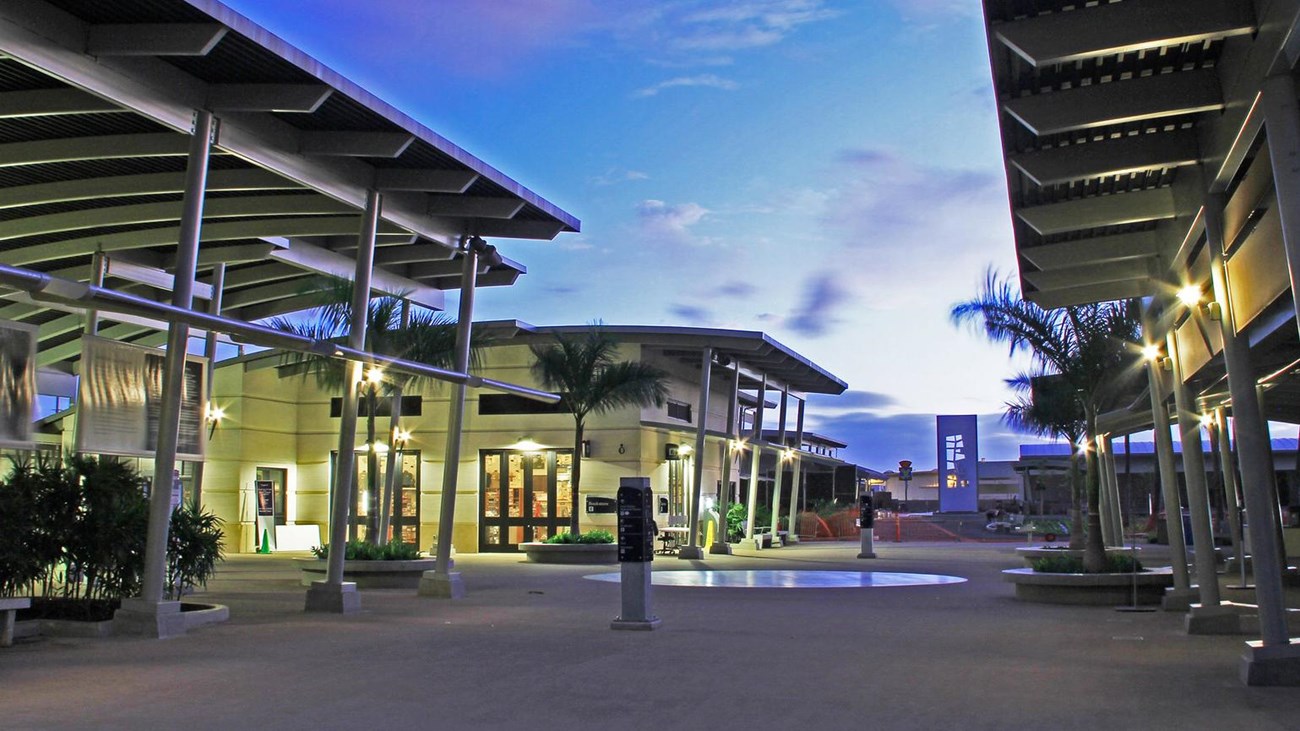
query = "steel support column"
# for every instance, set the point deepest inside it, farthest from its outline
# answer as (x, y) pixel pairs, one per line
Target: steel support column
(693, 548)
(1179, 597)
(793, 536)
(779, 478)
(210, 352)
(729, 452)
(332, 594)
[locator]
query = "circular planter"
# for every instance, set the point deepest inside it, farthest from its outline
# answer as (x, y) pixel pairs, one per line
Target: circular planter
(570, 553)
(371, 574)
(1090, 589)
(1029, 553)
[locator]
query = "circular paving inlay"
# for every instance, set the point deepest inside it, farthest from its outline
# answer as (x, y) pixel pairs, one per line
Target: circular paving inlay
(789, 579)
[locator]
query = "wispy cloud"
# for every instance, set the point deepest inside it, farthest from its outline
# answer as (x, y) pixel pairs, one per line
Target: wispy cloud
(824, 293)
(851, 401)
(692, 314)
(711, 81)
(671, 222)
(615, 176)
(745, 24)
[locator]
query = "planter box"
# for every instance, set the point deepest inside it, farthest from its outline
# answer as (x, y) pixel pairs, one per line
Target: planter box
(194, 614)
(1029, 553)
(371, 574)
(570, 553)
(1090, 589)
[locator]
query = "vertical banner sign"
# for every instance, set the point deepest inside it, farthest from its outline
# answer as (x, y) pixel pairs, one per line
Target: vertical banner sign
(120, 400)
(958, 463)
(17, 384)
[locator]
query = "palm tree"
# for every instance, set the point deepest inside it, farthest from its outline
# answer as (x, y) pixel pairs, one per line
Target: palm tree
(1046, 407)
(392, 329)
(1090, 347)
(584, 370)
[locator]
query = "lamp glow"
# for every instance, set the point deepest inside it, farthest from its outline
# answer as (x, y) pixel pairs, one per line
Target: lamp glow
(375, 375)
(1190, 295)
(1151, 352)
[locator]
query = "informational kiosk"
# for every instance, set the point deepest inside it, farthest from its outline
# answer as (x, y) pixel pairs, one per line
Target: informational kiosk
(636, 535)
(867, 525)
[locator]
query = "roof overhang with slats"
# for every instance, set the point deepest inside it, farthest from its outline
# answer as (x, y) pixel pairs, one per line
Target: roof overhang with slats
(96, 105)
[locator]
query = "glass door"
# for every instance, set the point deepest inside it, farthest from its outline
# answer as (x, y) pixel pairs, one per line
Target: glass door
(404, 523)
(524, 496)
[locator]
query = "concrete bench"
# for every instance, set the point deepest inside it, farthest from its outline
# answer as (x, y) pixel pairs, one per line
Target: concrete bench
(8, 609)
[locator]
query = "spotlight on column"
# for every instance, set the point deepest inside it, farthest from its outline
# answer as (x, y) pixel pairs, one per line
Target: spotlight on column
(1190, 295)
(1151, 352)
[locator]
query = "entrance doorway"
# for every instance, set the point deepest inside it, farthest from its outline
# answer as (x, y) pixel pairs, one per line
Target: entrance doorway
(524, 496)
(404, 523)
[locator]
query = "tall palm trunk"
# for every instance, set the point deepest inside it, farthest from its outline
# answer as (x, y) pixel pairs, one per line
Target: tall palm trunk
(372, 470)
(1076, 500)
(1094, 553)
(576, 477)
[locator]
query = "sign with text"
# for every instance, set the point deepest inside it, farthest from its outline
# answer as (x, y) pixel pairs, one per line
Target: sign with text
(120, 400)
(265, 490)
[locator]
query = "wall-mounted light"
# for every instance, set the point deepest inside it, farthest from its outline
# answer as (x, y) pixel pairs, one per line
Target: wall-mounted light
(787, 455)
(213, 415)
(1151, 352)
(1207, 420)
(685, 450)
(737, 445)
(375, 375)
(526, 444)
(1213, 310)
(1190, 295)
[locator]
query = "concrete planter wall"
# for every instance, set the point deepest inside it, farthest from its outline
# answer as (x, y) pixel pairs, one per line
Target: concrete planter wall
(570, 553)
(371, 574)
(194, 615)
(1090, 589)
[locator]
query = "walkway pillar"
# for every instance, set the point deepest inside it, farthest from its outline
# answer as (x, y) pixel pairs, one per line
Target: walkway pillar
(1180, 596)
(1209, 616)
(442, 582)
(333, 594)
(1273, 659)
(795, 485)
(148, 614)
(729, 452)
(1228, 471)
(779, 478)
(693, 548)
(209, 352)
(1104, 491)
(755, 460)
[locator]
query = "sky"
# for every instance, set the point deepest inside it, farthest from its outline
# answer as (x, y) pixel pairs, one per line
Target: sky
(824, 171)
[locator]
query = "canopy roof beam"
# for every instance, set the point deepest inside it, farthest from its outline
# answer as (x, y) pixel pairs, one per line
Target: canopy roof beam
(1106, 210)
(1110, 157)
(1117, 102)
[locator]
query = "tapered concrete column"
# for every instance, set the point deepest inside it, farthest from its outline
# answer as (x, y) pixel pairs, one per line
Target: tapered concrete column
(1228, 471)
(693, 548)
(720, 544)
(779, 481)
(1274, 659)
(1112, 521)
(795, 485)
(148, 614)
(755, 438)
(333, 594)
(1180, 597)
(1198, 495)
(209, 352)
(1103, 494)
(442, 582)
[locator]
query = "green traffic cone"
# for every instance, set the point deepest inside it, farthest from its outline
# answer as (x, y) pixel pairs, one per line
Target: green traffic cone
(266, 542)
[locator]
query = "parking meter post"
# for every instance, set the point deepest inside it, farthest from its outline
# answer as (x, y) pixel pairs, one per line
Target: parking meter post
(635, 552)
(866, 525)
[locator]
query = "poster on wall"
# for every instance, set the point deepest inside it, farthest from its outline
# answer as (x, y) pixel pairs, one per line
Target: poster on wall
(120, 400)
(17, 384)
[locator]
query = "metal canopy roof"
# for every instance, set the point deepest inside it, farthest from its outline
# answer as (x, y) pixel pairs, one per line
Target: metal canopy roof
(1111, 114)
(96, 104)
(757, 353)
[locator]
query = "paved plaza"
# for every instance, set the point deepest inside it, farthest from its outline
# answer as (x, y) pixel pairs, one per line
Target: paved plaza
(531, 648)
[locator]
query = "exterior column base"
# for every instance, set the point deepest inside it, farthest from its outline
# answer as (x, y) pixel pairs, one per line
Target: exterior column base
(751, 544)
(1180, 600)
(867, 554)
(341, 598)
(1213, 620)
(442, 586)
(636, 625)
(791, 539)
(692, 553)
(720, 548)
(155, 620)
(1272, 665)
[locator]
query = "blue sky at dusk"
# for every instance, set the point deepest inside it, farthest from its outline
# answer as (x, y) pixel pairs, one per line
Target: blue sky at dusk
(825, 171)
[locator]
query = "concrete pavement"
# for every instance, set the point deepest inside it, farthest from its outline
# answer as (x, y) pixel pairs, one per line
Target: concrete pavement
(531, 648)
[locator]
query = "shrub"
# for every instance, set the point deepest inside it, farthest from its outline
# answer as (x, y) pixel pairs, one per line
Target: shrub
(591, 536)
(364, 551)
(193, 549)
(1116, 563)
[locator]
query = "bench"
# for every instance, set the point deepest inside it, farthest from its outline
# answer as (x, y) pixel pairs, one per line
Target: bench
(8, 609)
